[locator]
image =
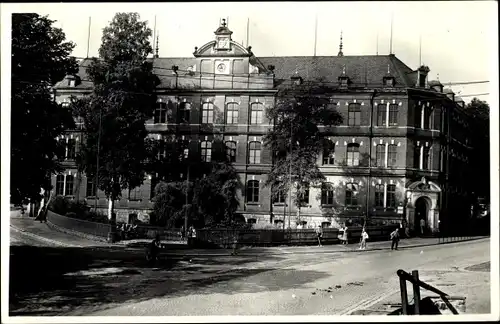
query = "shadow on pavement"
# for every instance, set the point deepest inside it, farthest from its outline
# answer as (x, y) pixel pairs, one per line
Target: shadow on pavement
(58, 280)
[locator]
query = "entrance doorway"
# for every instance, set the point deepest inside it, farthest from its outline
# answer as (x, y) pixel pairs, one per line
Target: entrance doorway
(421, 212)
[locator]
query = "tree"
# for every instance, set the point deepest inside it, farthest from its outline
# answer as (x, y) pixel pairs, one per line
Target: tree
(479, 111)
(296, 139)
(40, 58)
(114, 115)
(212, 190)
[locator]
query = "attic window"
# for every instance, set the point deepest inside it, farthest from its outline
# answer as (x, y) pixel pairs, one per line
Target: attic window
(71, 82)
(421, 80)
(297, 80)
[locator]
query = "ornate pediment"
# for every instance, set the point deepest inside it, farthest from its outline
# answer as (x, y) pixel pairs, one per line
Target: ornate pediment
(424, 185)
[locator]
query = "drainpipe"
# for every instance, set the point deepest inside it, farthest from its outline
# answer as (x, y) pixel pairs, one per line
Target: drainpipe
(370, 158)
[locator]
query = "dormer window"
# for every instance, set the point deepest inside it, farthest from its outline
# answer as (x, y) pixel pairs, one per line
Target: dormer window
(297, 80)
(389, 79)
(423, 71)
(344, 80)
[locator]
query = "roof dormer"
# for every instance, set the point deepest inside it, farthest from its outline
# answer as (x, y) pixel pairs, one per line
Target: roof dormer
(436, 86)
(344, 80)
(450, 94)
(223, 37)
(389, 79)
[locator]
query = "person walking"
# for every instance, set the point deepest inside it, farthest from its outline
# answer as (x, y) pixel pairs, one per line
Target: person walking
(395, 239)
(345, 236)
(422, 226)
(319, 234)
(364, 237)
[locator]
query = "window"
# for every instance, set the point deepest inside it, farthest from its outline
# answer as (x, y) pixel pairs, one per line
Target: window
(354, 114)
(327, 194)
(135, 194)
(427, 117)
(162, 149)
(380, 154)
(325, 224)
(257, 112)
(329, 153)
(154, 182)
(253, 191)
(254, 152)
(252, 221)
(381, 114)
(351, 195)
(69, 185)
(207, 113)
(379, 196)
(426, 158)
(60, 185)
(418, 115)
(71, 149)
(184, 113)
(160, 116)
(206, 151)
(305, 196)
(61, 148)
(416, 156)
(391, 196)
(91, 187)
(393, 115)
(231, 151)
(232, 113)
(392, 155)
(279, 197)
(353, 154)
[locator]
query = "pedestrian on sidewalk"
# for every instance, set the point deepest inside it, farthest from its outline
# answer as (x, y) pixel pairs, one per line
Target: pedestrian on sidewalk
(364, 237)
(395, 239)
(345, 236)
(183, 233)
(319, 234)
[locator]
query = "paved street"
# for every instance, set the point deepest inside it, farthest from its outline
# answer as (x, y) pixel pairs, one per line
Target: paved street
(99, 279)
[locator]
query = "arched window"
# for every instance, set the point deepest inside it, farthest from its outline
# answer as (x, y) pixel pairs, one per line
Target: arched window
(70, 182)
(184, 115)
(253, 191)
(256, 113)
(254, 152)
(206, 151)
(379, 196)
(207, 113)
(392, 155)
(231, 151)
(352, 154)
(60, 185)
(354, 114)
(351, 195)
(232, 113)
(160, 113)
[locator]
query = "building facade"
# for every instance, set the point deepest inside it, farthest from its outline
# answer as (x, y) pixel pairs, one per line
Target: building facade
(401, 152)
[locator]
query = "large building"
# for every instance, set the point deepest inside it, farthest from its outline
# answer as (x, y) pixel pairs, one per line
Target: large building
(401, 152)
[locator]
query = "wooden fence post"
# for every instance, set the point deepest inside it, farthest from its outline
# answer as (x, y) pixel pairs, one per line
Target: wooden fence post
(404, 295)
(416, 293)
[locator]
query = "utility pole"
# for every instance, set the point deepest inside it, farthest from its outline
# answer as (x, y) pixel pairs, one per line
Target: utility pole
(96, 182)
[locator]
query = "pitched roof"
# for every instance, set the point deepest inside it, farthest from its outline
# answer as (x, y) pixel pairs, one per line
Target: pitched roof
(363, 70)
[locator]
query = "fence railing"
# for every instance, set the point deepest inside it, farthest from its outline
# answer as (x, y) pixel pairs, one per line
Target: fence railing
(271, 237)
(417, 284)
(77, 225)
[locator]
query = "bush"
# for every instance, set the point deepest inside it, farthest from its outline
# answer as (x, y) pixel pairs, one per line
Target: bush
(59, 205)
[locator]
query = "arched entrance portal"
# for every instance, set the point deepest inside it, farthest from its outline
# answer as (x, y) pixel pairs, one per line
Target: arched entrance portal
(422, 206)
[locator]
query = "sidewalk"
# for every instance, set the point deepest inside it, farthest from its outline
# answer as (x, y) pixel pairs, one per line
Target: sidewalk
(44, 231)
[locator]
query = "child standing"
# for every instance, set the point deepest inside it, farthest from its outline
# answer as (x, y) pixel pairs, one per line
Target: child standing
(364, 237)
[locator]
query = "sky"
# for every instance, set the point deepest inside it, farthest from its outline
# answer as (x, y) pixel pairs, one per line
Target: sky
(457, 37)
